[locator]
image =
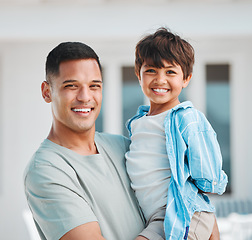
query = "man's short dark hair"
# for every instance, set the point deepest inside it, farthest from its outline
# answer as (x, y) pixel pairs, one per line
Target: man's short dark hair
(164, 45)
(67, 51)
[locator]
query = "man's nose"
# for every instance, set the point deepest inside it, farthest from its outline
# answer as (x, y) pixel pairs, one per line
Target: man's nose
(84, 94)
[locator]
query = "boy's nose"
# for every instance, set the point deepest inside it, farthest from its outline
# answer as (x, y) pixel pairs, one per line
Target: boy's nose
(161, 78)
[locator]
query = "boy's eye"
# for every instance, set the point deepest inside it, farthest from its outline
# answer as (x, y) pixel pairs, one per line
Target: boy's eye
(150, 70)
(170, 72)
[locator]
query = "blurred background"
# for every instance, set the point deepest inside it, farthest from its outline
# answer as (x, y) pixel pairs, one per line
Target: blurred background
(220, 32)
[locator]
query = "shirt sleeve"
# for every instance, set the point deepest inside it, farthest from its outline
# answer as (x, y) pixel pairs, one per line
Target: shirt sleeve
(205, 159)
(55, 202)
(155, 226)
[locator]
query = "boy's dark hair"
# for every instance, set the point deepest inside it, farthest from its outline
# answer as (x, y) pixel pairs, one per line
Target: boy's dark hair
(67, 51)
(164, 45)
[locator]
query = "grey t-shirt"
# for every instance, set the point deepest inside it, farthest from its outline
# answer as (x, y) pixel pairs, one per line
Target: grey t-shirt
(65, 189)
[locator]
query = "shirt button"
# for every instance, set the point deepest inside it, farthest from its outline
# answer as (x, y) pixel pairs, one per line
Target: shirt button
(214, 183)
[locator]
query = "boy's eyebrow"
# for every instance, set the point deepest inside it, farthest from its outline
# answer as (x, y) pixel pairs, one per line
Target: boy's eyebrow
(148, 65)
(165, 66)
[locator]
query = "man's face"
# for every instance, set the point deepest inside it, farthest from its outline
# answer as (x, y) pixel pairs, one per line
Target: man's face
(75, 95)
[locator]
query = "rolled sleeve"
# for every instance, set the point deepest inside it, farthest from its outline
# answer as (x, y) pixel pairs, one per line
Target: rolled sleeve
(155, 226)
(205, 162)
(150, 232)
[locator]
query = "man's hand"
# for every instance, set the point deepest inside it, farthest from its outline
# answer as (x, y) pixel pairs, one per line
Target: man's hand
(141, 238)
(87, 231)
(215, 233)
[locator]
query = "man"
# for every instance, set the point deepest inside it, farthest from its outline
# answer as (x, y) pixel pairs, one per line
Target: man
(76, 184)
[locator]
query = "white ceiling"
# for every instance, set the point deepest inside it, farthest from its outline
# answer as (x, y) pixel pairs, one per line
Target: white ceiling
(117, 20)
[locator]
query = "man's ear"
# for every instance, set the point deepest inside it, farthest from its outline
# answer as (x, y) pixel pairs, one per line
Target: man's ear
(46, 91)
(186, 81)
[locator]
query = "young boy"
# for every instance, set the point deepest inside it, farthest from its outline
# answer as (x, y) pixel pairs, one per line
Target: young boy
(174, 155)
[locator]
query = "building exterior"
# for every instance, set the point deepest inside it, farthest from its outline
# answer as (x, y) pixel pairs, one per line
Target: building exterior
(219, 30)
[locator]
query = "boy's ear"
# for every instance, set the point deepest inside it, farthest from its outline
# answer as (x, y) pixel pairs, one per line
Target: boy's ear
(139, 78)
(46, 91)
(187, 80)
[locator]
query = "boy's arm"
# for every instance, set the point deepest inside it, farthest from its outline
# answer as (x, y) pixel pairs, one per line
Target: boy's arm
(205, 161)
(203, 155)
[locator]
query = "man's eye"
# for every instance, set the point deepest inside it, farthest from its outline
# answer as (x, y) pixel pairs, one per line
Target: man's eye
(70, 86)
(95, 86)
(170, 72)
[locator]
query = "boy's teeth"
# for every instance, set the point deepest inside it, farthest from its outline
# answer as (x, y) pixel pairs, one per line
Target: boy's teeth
(161, 90)
(82, 109)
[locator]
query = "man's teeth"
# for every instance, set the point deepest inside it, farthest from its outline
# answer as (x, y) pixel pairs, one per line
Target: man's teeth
(82, 109)
(160, 90)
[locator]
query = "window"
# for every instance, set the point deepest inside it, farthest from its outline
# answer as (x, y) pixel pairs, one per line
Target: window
(99, 120)
(132, 95)
(218, 109)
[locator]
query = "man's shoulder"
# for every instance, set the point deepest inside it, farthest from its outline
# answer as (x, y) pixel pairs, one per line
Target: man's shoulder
(111, 138)
(45, 155)
(113, 144)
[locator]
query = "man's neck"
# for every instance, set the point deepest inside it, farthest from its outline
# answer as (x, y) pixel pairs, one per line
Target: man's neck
(82, 143)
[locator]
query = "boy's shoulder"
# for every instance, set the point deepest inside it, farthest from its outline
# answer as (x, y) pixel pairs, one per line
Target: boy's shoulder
(186, 114)
(187, 111)
(184, 111)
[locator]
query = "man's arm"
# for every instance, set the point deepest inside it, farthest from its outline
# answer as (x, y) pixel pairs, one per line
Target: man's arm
(155, 226)
(141, 238)
(87, 231)
(215, 233)
(56, 205)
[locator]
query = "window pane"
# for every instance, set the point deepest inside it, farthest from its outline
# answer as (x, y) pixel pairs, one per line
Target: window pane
(218, 109)
(132, 95)
(182, 95)
(99, 120)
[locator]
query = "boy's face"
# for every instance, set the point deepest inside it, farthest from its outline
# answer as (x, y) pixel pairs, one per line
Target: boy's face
(162, 85)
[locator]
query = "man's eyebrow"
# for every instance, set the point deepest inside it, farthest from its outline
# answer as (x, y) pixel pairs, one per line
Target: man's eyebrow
(69, 81)
(74, 81)
(97, 81)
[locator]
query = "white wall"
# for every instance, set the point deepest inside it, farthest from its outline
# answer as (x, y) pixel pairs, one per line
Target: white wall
(25, 122)
(29, 32)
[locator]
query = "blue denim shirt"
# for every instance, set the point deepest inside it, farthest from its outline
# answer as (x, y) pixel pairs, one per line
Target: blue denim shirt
(196, 163)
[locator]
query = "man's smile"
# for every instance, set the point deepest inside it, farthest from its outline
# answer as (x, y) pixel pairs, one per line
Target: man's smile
(82, 110)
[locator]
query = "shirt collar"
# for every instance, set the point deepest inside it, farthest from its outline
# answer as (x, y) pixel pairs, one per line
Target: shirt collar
(144, 109)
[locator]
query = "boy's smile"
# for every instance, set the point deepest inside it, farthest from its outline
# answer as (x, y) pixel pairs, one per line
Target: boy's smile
(162, 85)
(160, 90)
